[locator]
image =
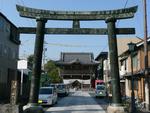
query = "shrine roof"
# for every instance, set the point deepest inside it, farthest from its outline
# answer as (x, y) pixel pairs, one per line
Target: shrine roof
(77, 58)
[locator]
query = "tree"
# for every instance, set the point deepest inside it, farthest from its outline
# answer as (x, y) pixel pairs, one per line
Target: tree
(30, 61)
(53, 72)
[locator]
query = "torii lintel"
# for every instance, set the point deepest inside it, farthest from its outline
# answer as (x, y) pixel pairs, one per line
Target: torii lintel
(76, 15)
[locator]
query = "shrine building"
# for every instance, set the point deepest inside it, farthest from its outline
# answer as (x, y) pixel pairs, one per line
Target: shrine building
(78, 68)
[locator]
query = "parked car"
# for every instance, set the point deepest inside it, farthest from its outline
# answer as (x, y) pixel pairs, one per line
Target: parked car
(100, 91)
(54, 86)
(47, 96)
(62, 89)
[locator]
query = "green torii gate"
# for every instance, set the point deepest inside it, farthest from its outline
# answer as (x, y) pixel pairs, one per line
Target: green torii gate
(109, 16)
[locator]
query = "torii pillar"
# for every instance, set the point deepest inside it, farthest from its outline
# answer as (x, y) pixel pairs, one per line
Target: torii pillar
(33, 106)
(116, 106)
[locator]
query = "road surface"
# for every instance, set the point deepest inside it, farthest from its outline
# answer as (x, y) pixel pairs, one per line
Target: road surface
(76, 102)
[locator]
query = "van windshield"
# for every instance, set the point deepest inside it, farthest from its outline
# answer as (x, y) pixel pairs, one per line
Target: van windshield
(52, 85)
(100, 88)
(45, 91)
(61, 86)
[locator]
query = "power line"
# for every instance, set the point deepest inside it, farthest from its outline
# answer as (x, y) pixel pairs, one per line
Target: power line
(18, 2)
(21, 2)
(104, 48)
(72, 45)
(28, 42)
(126, 3)
(1, 5)
(123, 7)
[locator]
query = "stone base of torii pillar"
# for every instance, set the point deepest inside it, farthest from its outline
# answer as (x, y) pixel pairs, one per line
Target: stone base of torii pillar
(116, 109)
(32, 108)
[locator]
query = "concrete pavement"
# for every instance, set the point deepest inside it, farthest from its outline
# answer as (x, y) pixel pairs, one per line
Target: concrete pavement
(76, 102)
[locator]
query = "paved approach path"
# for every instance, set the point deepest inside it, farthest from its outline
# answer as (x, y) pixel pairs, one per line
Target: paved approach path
(76, 102)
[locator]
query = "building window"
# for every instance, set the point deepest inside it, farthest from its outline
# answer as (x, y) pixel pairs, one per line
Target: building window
(125, 64)
(7, 28)
(135, 61)
(0, 74)
(135, 84)
(1, 49)
(2, 25)
(121, 62)
(5, 51)
(14, 36)
(9, 53)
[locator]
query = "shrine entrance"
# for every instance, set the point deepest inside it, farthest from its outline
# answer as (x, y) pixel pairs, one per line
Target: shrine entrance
(109, 16)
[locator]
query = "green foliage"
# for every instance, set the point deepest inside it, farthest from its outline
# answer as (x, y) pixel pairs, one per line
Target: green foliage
(30, 61)
(53, 72)
(45, 79)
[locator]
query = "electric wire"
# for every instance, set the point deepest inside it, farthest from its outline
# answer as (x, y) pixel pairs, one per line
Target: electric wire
(18, 2)
(1, 5)
(66, 45)
(123, 7)
(126, 3)
(24, 55)
(63, 45)
(21, 2)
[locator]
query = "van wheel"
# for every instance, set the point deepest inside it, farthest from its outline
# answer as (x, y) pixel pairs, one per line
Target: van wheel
(53, 102)
(56, 102)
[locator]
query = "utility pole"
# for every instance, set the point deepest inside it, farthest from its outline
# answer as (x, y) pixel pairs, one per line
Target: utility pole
(44, 50)
(132, 47)
(147, 99)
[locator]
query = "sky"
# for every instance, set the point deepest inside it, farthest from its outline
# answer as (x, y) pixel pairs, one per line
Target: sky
(56, 44)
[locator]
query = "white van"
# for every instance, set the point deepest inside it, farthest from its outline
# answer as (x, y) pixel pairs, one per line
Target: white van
(100, 91)
(47, 96)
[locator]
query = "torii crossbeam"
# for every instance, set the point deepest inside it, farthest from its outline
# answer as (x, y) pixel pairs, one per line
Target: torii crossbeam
(76, 15)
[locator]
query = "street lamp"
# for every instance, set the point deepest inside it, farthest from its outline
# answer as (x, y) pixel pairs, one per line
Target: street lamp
(132, 47)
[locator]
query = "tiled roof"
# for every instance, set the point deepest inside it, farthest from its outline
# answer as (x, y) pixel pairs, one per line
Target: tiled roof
(77, 58)
(122, 43)
(138, 44)
(103, 55)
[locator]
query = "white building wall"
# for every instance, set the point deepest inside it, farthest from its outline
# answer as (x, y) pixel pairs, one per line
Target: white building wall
(127, 87)
(106, 69)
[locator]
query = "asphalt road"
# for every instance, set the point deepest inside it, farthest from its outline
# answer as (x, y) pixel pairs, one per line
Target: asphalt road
(76, 102)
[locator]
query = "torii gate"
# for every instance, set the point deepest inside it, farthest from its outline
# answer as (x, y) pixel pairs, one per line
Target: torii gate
(109, 16)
